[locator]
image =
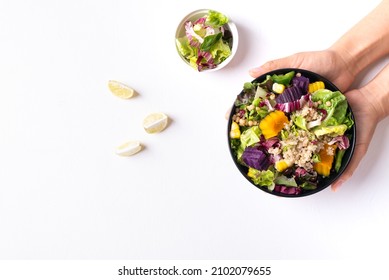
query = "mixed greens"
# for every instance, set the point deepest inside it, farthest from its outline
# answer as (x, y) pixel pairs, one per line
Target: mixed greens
(290, 132)
(207, 42)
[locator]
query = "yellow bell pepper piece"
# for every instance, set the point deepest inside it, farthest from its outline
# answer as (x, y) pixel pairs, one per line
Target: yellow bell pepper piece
(235, 131)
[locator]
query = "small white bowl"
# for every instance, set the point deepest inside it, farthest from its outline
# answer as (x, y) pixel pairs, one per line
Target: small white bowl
(193, 16)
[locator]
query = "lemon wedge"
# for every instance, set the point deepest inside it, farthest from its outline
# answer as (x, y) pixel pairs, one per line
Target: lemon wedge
(120, 90)
(129, 148)
(155, 122)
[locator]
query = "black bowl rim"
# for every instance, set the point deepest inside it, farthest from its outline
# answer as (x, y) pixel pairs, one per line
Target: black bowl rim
(326, 182)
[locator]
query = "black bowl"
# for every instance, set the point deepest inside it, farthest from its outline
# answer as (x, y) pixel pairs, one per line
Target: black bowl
(323, 182)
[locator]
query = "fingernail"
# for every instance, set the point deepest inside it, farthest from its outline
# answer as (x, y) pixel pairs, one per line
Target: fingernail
(256, 71)
(227, 115)
(337, 185)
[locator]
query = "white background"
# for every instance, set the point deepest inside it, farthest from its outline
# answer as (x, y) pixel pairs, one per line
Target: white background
(65, 194)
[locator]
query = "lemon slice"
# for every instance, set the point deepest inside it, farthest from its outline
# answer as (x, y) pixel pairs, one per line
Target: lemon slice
(129, 148)
(120, 90)
(155, 122)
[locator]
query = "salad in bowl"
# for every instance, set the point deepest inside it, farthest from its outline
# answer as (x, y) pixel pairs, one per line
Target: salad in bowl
(206, 40)
(291, 132)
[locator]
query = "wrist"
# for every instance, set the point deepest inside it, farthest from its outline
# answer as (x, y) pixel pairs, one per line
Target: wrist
(377, 91)
(350, 57)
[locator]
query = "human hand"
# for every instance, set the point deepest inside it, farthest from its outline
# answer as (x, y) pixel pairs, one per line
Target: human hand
(366, 120)
(328, 63)
(370, 105)
(367, 113)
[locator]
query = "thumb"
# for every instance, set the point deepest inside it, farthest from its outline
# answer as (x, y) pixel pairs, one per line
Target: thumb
(272, 65)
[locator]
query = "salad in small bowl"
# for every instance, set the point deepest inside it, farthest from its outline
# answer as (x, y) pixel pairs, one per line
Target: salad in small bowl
(206, 40)
(291, 132)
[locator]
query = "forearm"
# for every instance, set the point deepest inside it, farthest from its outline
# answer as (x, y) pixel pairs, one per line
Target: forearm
(367, 41)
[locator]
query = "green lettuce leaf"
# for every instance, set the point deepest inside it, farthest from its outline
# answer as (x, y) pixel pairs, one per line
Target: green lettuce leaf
(335, 103)
(220, 51)
(216, 19)
(250, 136)
(300, 121)
(335, 130)
(348, 121)
(237, 148)
(184, 48)
(263, 178)
(248, 86)
(247, 138)
(285, 181)
(192, 62)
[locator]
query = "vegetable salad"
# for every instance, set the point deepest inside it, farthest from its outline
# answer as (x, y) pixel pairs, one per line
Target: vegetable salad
(290, 132)
(207, 41)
